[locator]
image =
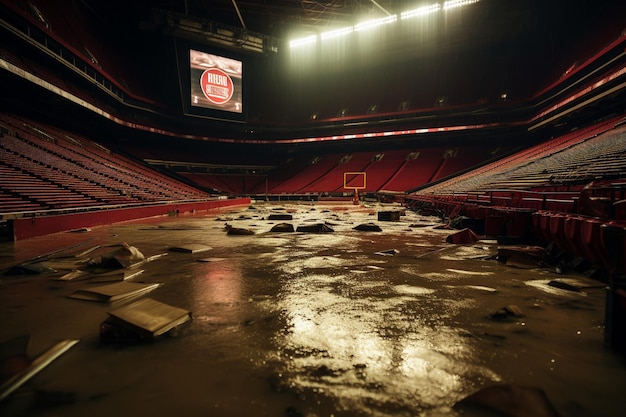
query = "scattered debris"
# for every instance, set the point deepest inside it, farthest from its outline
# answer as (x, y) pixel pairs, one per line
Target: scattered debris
(555, 289)
(154, 257)
(122, 257)
(315, 228)
(34, 367)
(523, 257)
(421, 225)
(29, 269)
(86, 252)
(80, 230)
(191, 248)
(389, 216)
(172, 228)
(63, 264)
(507, 312)
(511, 401)
(113, 292)
(237, 231)
(481, 288)
(117, 275)
(464, 272)
(282, 228)
(145, 319)
(463, 237)
(574, 285)
(280, 217)
(505, 252)
(368, 227)
(523, 261)
(563, 285)
(72, 275)
(464, 222)
(388, 252)
(211, 259)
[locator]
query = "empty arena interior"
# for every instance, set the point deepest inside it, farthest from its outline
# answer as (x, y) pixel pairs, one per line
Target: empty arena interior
(313, 208)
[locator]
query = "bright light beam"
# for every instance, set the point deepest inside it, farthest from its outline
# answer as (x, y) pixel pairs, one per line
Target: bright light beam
(303, 41)
(337, 32)
(452, 4)
(420, 11)
(370, 24)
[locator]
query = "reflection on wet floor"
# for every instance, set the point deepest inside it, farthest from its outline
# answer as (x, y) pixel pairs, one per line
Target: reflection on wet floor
(347, 323)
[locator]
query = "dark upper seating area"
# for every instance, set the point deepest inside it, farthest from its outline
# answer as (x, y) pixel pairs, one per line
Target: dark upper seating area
(45, 168)
(74, 32)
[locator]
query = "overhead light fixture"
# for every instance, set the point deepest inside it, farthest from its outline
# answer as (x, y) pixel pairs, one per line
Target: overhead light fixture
(330, 34)
(201, 30)
(303, 41)
(420, 11)
(453, 4)
(373, 109)
(391, 18)
(370, 24)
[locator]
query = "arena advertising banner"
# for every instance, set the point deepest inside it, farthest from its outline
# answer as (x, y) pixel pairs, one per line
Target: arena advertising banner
(216, 82)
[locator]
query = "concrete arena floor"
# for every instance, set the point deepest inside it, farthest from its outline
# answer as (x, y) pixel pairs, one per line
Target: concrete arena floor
(295, 324)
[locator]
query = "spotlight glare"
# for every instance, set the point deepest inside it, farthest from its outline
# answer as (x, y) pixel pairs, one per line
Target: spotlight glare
(452, 4)
(374, 23)
(370, 24)
(303, 41)
(336, 33)
(420, 11)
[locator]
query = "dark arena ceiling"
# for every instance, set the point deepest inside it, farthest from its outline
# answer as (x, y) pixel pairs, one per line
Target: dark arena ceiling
(489, 18)
(484, 24)
(468, 55)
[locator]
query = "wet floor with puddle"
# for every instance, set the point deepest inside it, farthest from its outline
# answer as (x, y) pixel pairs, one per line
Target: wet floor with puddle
(345, 323)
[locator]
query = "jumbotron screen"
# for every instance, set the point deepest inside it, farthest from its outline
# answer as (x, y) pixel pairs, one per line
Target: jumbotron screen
(216, 82)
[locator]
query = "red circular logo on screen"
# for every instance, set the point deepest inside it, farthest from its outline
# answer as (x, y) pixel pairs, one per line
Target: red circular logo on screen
(217, 86)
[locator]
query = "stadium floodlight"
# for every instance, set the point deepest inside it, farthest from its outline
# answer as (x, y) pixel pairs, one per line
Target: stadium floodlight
(374, 23)
(452, 4)
(303, 41)
(370, 24)
(337, 32)
(420, 11)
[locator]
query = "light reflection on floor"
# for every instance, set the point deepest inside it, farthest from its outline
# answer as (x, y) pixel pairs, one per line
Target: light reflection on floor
(218, 282)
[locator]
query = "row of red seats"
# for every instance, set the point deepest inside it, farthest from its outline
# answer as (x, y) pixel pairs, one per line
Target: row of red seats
(601, 242)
